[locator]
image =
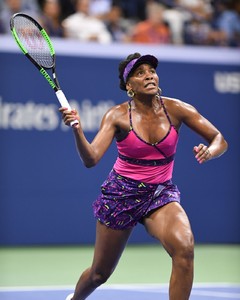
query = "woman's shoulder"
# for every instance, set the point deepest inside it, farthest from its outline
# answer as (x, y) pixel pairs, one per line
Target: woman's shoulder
(116, 112)
(179, 108)
(174, 103)
(118, 109)
(171, 101)
(117, 116)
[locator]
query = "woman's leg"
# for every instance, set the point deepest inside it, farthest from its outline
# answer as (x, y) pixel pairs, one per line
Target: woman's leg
(170, 225)
(109, 246)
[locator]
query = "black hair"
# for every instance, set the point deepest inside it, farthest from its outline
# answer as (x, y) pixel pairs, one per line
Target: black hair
(122, 66)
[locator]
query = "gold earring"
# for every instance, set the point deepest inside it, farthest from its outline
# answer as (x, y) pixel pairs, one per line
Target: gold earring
(130, 93)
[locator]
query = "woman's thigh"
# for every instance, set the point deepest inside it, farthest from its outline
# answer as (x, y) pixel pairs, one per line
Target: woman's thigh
(170, 225)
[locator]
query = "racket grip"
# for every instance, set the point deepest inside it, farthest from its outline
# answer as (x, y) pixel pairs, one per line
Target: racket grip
(64, 103)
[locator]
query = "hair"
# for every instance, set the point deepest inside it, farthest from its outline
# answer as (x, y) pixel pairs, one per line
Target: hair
(122, 66)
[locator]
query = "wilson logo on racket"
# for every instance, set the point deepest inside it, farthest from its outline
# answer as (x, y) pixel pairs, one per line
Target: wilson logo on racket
(45, 74)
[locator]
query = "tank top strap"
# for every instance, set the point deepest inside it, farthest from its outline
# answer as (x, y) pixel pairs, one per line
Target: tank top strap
(130, 113)
(165, 111)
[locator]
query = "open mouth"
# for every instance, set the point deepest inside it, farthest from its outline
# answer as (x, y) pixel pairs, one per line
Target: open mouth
(150, 84)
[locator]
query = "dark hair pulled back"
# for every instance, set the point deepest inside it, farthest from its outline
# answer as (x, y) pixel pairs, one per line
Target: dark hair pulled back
(122, 66)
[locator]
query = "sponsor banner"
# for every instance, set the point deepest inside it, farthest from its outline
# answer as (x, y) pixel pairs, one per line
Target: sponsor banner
(45, 191)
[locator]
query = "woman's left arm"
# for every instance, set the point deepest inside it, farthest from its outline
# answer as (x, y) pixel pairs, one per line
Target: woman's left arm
(216, 146)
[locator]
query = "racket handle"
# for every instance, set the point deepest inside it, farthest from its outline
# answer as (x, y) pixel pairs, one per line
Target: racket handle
(64, 103)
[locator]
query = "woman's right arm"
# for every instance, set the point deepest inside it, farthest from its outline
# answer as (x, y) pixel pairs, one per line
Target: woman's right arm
(91, 153)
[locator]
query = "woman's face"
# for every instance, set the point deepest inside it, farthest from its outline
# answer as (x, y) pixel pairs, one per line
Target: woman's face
(144, 80)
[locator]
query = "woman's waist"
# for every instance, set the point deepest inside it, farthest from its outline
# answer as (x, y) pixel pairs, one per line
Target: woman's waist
(150, 161)
(153, 174)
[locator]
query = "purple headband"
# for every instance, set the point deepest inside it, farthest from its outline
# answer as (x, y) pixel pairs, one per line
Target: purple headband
(128, 68)
(150, 59)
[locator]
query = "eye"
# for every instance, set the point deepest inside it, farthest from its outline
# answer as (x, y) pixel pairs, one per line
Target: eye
(140, 72)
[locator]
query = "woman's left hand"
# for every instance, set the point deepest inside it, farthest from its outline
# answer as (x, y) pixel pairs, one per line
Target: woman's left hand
(202, 153)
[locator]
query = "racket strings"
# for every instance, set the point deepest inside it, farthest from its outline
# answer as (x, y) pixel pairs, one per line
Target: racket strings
(33, 41)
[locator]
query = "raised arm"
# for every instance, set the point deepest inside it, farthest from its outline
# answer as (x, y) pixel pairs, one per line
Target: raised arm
(91, 152)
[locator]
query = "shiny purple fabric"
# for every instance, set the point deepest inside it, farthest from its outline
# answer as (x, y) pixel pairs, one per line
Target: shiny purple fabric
(125, 202)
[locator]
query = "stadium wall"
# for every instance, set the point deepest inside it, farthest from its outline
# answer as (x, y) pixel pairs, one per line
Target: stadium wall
(46, 193)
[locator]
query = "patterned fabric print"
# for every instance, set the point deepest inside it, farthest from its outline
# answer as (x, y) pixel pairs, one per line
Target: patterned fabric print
(125, 202)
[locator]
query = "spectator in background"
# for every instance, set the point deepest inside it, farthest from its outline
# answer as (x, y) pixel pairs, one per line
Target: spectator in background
(196, 32)
(100, 8)
(176, 18)
(199, 9)
(10, 7)
(117, 25)
(182, 15)
(51, 18)
(84, 27)
(226, 23)
(68, 8)
(198, 15)
(154, 29)
(133, 9)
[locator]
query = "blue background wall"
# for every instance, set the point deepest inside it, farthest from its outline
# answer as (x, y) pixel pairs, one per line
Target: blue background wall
(46, 193)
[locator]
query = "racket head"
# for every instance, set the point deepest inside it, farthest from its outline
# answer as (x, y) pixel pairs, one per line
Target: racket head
(33, 40)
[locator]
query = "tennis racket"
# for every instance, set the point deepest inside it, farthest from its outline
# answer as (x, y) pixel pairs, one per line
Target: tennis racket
(36, 45)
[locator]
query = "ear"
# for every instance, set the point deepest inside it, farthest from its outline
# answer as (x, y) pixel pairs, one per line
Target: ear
(128, 86)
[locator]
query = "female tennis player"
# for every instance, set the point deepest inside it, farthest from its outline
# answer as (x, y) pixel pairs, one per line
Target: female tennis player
(139, 188)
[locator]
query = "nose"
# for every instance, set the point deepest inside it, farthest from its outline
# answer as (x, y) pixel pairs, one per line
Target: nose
(149, 75)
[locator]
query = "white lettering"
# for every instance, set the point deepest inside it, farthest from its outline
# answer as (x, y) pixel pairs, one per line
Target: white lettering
(45, 117)
(28, 116)
(227, 82)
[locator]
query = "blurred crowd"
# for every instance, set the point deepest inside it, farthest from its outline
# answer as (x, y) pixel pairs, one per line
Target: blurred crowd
(188, 22)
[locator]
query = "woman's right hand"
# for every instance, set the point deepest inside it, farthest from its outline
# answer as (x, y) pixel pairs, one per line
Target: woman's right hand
(69, 115)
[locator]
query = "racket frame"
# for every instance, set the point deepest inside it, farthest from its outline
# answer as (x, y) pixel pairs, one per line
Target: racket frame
(54, 83)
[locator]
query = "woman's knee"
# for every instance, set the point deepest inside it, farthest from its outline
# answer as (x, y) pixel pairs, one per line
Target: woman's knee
(183, 252)
(186, 250)
(180, 244)
(100, 277)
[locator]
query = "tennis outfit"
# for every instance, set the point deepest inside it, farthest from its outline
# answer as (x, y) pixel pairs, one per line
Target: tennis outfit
(140, 180)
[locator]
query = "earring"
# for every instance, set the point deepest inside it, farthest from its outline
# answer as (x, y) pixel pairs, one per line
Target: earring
(130, 93)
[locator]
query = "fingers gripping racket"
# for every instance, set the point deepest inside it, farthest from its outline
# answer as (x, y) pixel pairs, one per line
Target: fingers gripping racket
(38, 48)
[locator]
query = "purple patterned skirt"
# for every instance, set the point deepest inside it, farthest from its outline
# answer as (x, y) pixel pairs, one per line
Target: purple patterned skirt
(124, 202)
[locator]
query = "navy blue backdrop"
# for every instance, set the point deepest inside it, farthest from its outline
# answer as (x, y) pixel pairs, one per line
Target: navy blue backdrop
(45, 191)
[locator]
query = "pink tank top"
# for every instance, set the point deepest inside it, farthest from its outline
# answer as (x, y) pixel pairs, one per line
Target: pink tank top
(146, 162)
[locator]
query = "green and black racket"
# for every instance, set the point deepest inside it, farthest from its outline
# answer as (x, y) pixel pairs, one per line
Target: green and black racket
(38, 48)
